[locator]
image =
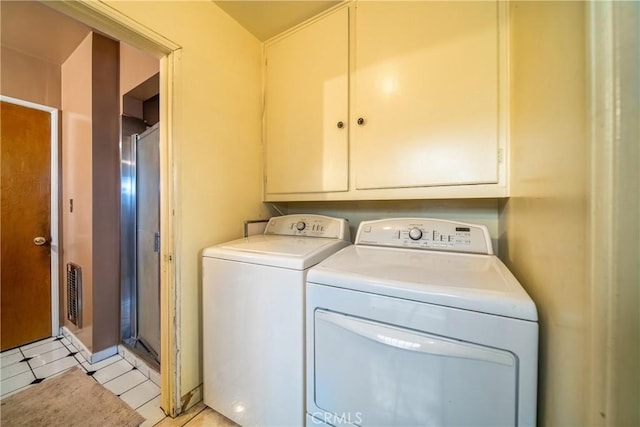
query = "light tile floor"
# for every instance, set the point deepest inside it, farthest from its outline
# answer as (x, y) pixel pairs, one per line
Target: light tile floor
(22, 367)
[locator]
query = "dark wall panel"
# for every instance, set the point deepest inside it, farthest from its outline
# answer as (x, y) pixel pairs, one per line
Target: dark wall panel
(106, 192)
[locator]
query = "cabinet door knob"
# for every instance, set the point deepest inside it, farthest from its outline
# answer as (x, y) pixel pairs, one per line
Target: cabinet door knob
(340, 125)
(360, 121)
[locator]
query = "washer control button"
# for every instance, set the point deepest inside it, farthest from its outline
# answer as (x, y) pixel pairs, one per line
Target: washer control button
(301, 225)
(415, 233)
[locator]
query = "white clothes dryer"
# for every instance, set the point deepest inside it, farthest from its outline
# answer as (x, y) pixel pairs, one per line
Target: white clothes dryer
(419, 324)
(253, 318)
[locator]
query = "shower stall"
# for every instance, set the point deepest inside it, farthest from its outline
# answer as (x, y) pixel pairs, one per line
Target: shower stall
(140, 239)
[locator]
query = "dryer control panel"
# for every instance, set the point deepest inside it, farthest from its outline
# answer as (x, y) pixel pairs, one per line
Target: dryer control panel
(309, 226)
(426, 233)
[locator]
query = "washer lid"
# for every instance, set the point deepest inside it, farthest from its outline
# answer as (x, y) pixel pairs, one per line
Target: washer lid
(297, 253)
(479, 283)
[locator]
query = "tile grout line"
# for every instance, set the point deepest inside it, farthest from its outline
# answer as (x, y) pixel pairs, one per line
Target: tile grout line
(146, 401)
(32, 373)
(79, 361)
(56, 338)
(129, 389)
(21, 351)
(133, 368)
(30, 369)
(74, 354)
(29, 365)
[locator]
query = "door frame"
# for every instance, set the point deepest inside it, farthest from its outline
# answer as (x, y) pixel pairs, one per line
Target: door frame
(614, 208)
(54, 226)
(113, 23)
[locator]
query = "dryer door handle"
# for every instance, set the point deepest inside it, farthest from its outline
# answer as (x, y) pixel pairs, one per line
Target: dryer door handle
(406, 339)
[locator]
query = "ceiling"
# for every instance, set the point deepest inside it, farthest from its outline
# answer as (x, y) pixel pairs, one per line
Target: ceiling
(34, 29)
(265, 19)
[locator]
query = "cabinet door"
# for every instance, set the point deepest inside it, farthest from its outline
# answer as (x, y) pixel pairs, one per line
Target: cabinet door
(306, 96)
(426, 84)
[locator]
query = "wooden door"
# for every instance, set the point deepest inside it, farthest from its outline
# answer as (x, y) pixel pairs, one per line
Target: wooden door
(25, 291)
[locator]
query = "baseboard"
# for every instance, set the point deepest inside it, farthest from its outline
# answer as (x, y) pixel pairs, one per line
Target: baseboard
(88, 355)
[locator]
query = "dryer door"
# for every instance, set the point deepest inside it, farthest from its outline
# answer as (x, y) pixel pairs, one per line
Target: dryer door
(373, 374)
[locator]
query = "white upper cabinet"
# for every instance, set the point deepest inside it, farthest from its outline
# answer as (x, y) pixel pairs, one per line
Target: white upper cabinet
(426, 85)
(306, 108)
(420, 88)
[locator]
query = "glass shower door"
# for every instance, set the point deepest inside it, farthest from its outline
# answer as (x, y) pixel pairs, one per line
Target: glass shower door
(148, 238)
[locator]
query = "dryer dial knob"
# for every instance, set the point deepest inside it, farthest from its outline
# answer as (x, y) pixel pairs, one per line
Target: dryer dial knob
(415, 233)
(301, 225)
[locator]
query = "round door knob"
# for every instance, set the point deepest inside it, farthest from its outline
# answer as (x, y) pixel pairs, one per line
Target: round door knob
(39, 241)
(340, 125)
(415, 233)
(361, 121)
(300, 225)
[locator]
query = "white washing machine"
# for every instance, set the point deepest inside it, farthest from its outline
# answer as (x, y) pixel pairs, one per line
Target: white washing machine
(419, 324)
(253, 318)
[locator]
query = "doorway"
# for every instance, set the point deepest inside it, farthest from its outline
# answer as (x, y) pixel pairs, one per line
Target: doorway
(140, 221)
(108, 21)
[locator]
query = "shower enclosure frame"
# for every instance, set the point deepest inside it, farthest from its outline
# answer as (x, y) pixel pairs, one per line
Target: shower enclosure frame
(140, 340)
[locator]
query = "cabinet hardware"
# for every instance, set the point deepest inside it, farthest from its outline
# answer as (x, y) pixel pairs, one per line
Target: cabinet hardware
(361, 121)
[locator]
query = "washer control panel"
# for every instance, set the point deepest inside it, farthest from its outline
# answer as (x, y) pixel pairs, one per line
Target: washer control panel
(426, 233)
(309, 226)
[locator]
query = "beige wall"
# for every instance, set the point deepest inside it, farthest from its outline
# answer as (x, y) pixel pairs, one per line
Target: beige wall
(76, 176)
(30, 79)
(136, 67)
(571, 230)
(544, 224)
(218, 150)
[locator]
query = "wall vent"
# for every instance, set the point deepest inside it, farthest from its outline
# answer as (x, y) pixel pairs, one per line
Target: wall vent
(74, 294)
